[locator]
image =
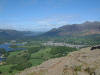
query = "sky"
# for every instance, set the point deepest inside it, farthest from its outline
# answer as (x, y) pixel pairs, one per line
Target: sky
(43, 15)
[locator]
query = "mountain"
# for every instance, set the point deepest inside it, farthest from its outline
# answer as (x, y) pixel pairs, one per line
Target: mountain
(14, 34)
(87, 28)
(82, 62)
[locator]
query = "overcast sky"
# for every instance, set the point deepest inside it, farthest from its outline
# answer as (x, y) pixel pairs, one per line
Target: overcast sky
(43, 15)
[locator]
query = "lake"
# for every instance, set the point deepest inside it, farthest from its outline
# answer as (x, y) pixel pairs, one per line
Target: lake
(1, 59)
(7, 47)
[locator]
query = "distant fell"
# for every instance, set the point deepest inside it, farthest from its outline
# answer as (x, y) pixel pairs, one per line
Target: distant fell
(86, 28)
(14, 34)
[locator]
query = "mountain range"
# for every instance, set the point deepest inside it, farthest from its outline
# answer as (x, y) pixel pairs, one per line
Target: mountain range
(86, 28)
(14, 34)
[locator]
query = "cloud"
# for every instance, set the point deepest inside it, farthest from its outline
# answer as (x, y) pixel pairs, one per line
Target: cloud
(56, 20)
(42, 24)
(6, 26)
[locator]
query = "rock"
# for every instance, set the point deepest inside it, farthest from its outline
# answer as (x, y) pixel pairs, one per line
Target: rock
(82, 62)
(96, 47)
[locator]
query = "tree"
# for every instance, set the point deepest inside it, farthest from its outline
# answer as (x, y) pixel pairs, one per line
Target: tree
(21, 66)
(34, 49)
(61, 51)
(2, 51)
(0, 72)
(19, 58)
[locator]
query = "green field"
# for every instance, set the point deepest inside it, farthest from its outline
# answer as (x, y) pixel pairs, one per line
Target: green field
(33, 55)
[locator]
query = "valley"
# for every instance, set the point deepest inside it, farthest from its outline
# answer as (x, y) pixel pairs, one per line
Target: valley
(49, 53)
(32, 53)
(49, 37)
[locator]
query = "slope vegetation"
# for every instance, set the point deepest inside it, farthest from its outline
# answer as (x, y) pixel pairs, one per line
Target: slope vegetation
(83, 62)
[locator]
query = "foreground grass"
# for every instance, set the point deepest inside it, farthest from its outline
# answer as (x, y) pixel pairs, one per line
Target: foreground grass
(5, 70)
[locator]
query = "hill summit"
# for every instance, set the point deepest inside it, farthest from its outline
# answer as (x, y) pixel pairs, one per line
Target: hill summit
(82, 62)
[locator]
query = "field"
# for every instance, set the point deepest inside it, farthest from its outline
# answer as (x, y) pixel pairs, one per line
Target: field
(33, 55)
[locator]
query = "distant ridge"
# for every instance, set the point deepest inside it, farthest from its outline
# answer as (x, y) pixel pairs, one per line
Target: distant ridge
(86, 28)
(14, 34)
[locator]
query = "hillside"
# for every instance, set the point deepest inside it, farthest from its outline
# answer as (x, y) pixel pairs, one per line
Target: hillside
(87, 28)
(83, 62)
(14, 34)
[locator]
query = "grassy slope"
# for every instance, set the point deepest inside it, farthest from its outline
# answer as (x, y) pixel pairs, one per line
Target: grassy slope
(36, 59)
(83, 62)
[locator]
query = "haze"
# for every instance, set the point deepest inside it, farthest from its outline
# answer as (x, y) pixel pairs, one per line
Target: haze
(43, 15)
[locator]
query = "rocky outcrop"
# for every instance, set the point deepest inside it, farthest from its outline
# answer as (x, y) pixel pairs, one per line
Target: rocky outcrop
(96, 47)
(83, 62)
